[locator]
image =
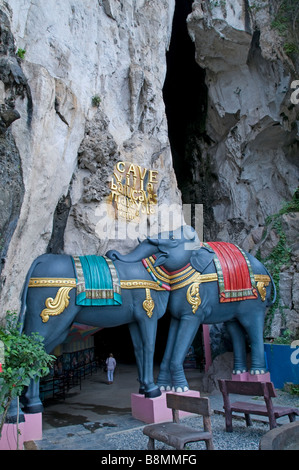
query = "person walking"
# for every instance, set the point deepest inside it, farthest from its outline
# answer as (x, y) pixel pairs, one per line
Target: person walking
(111, 364)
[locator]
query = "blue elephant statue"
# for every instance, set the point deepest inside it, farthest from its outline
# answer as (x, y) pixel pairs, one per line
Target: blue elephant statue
(94, 290)
(198, 282)
(210, 283)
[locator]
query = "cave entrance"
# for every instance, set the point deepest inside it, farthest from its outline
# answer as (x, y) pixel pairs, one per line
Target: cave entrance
(118, 341)
(185, 98)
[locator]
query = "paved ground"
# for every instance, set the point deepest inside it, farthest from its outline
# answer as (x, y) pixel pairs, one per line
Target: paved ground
(95, 401)
(99, 415)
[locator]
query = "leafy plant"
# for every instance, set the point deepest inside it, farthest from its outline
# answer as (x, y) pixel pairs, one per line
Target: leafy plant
(21, 53)
(24, 359)
(96, 100)
(292, 205)
(294, 389)
(285, 338)
(218, 3)
(290, 48)
(280, 256)
(281, 253)
(286, 23)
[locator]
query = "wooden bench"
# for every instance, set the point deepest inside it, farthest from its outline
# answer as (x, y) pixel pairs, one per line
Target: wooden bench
(176, 434)
(261, 389)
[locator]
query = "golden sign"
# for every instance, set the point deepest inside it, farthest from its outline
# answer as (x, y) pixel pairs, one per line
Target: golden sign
(133, 191)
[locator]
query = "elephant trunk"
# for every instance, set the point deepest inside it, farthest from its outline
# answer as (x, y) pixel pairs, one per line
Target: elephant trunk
(153, 241)
(143, 250)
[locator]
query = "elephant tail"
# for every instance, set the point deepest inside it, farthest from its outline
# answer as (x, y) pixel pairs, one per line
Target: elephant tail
(272, 302)
(21, 319)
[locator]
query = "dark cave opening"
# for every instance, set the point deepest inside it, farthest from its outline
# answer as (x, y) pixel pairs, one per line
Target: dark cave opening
(185, 98)
(118, 341)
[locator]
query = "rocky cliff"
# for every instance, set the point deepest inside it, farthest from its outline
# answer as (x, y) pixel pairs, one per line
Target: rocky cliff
(86, 80)
(251, 135)
(84, 85)
(241, 161)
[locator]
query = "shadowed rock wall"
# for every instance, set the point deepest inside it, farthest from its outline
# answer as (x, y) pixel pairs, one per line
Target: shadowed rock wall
(247, 159)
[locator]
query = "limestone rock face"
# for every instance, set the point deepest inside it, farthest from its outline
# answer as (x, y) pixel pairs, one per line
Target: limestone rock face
(95, 72)
(251, 140)
(250, 123)
(81, 89)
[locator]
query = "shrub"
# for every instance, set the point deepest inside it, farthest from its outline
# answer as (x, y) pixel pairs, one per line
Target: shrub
(24, 358)
(96, 100)
(21, 53)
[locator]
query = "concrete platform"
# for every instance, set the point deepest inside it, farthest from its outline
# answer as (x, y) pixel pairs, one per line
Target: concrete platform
(90, 417)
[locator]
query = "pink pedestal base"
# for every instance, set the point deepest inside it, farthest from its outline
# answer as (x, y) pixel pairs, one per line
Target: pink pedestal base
(29, 430)
(247, 377)
(33, 427)
(154, 410)
(8, 439)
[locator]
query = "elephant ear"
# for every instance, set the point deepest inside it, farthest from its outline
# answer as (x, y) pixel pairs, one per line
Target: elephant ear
(201, 258)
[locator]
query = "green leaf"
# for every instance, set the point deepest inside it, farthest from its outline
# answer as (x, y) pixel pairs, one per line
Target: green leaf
(25, 359)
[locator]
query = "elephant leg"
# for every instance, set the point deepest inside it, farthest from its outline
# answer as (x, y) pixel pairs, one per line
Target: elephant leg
(15, 413)
(33, 403)
(164, 378)
(254, 326)
(237, 335)
(187, 330)
(31, 398)
(148, 334)
(138, 350)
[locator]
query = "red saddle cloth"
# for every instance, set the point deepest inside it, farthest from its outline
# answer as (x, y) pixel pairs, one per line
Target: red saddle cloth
(235, 277)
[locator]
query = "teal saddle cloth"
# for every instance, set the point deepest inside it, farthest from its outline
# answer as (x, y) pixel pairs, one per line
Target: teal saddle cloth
(97, 281)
